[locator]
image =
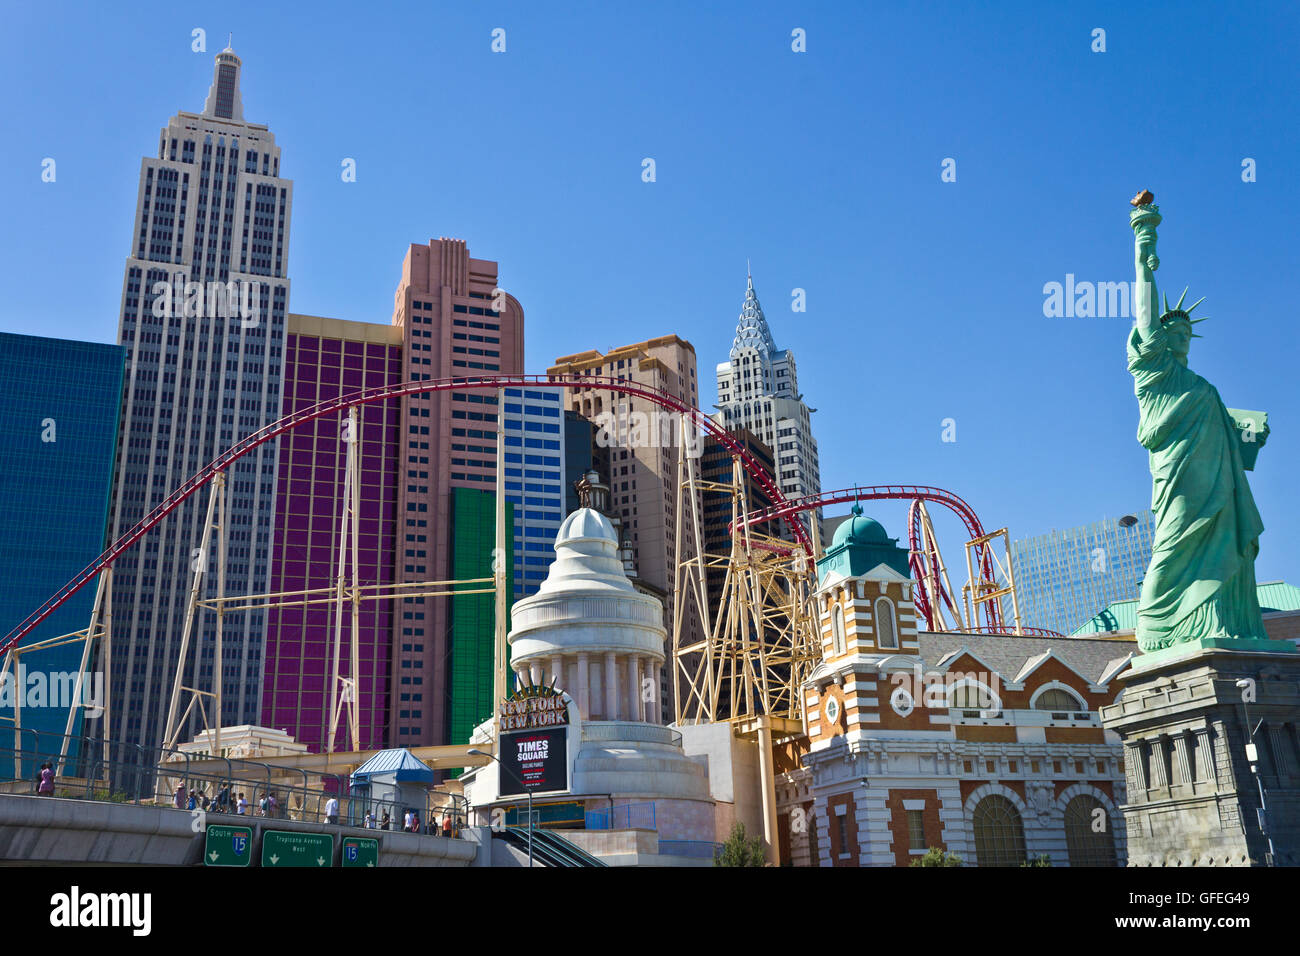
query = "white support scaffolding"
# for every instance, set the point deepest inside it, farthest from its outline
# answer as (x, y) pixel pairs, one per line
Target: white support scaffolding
(99, 628)
(978, 591)
(215, 518)
(344, 690)
(500, 687)
(344, 596)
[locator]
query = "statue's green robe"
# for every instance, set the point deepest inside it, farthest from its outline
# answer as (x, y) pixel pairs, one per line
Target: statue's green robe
(1201, 583)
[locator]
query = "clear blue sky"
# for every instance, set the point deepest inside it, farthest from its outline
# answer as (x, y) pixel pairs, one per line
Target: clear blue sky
(925, 299)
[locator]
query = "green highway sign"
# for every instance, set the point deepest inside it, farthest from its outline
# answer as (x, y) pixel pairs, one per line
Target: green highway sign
(291, 848)
(360, 851)
(228, 846)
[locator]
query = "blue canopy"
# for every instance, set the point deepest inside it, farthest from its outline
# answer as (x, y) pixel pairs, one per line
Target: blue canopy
(398, 765)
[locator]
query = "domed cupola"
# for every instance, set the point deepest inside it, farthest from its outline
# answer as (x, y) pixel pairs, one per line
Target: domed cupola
(859, 545)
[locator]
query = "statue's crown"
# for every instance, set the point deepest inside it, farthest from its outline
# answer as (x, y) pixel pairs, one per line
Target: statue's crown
(1177, 312)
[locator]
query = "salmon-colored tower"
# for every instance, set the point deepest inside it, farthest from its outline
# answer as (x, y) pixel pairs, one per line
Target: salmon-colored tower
(455, 322)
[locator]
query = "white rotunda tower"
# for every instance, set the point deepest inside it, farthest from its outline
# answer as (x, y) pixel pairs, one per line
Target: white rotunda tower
(589, 634)
(588, 631)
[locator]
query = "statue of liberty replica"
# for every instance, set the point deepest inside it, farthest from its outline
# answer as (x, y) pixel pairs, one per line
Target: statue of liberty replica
(1201, 582)
(1210, 711)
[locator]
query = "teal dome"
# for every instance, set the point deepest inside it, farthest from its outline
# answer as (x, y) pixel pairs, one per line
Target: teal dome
(859, 530)
(859, 545)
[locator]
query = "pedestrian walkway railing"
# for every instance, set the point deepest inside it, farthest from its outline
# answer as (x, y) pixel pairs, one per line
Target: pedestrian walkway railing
(86, 769)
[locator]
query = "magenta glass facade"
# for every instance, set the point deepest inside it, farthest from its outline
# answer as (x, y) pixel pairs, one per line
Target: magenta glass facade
(304, 555)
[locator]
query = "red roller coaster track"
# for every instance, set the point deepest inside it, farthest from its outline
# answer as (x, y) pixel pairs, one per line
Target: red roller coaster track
(984, 558)
(380, 394)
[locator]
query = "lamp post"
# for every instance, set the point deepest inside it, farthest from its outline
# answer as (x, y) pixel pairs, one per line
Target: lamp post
(483, 753)
(1252, 754)
(1127, 523)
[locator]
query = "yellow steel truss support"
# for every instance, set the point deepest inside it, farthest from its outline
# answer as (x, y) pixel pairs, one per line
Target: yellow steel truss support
(760, 645)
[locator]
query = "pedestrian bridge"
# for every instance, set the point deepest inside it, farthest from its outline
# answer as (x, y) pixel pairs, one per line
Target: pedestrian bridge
(62, 832)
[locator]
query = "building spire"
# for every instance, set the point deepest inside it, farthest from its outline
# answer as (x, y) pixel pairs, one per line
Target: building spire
(752, 330)
(224, 101)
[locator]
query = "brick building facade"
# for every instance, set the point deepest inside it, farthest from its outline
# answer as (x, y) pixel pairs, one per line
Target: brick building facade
(986, 746)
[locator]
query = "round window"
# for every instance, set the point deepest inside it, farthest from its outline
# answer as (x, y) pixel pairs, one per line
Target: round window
(902, 702)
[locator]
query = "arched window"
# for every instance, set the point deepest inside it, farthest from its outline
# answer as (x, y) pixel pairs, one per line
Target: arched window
(1061, 702)
(971, 696)
(837, 629)
(999, 832)
(1088, 837)
(886, 634)
(974, 700)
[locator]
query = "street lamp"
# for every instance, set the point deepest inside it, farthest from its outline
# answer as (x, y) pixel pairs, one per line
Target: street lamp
(1252, 754)
(474, 751)
(1128, 522)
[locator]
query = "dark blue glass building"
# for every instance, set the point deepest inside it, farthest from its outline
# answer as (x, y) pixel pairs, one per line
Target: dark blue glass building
(58, 427)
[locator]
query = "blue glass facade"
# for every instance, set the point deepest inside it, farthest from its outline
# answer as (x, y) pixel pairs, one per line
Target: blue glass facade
(58, 427)
(1065, 577)
(534, 480)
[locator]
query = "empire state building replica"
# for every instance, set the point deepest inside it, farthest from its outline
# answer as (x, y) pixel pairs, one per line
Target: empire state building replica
(202, 318)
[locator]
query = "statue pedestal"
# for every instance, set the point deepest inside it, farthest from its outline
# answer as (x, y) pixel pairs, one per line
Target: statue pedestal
(1192, 798)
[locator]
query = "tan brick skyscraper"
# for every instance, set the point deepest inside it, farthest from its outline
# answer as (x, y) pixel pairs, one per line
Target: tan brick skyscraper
(643, 474)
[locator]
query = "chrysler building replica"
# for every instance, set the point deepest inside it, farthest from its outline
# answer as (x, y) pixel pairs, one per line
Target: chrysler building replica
(759, 390)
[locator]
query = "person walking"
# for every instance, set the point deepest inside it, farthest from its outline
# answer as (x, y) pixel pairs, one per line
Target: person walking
(332, 811)
(45, 780)
(385, 822)
(369, 823)
(446, 824)
(242, 806)
(193, 802)
(178, 798)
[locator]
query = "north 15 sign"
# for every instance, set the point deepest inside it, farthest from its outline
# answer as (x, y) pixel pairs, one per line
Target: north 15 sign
(539, 759)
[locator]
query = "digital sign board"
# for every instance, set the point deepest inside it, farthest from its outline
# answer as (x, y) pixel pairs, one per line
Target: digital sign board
(534, 761)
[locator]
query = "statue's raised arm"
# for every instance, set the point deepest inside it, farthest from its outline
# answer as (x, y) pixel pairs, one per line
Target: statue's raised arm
(1144, 218)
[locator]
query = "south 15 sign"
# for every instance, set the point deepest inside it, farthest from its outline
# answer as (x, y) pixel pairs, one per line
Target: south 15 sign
(532, 707)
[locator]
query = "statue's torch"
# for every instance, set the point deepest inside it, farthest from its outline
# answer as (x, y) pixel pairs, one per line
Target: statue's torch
(1144, 218)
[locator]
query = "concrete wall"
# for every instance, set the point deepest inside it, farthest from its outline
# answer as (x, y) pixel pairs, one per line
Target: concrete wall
(78, 832)
(628, 848)
(733, 775)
